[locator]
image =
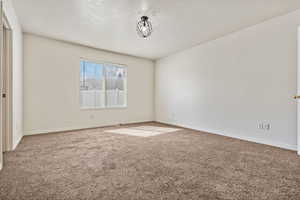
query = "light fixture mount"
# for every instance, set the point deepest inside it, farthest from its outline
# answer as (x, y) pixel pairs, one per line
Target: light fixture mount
(144, 27)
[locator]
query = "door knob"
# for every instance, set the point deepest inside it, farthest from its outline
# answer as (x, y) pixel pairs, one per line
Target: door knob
(297, 97)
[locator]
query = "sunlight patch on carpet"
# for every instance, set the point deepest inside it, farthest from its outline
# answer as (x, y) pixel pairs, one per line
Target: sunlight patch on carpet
(143, 131)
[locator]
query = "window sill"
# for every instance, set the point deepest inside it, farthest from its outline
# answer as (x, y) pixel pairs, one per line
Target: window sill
(103, 108)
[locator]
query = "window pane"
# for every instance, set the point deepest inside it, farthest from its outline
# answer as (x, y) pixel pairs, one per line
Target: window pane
(93, 76)
(115, 86)
(91, 85)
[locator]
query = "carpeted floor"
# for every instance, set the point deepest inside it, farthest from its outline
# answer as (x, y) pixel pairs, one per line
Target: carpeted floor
(182, 165)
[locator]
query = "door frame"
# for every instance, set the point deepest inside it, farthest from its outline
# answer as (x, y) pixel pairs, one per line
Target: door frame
(6, 140)
(7, 61)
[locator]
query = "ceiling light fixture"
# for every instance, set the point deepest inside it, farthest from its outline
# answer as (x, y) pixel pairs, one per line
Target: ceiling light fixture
(144, 27)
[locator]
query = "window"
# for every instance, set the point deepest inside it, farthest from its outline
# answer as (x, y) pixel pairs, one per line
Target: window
(102, 85)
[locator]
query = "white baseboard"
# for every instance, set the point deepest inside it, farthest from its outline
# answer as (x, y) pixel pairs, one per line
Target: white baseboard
(56, 130)
(250, 139)
(74, 128)
(17, 143)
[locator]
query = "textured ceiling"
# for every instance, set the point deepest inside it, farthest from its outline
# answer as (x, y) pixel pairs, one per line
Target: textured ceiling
(111, 24)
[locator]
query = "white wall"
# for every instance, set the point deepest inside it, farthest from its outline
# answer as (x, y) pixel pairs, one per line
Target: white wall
(51, 87)
(17, 76)
(229, 85)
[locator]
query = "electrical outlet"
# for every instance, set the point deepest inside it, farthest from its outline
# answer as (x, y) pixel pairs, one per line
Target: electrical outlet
(264, 126)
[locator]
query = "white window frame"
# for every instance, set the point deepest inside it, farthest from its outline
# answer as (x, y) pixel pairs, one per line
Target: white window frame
(104, 63)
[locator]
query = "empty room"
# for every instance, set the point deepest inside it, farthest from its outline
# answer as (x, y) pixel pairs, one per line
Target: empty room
(149, 100)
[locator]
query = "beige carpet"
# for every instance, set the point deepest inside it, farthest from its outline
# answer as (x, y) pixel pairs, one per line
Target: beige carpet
(181, 165)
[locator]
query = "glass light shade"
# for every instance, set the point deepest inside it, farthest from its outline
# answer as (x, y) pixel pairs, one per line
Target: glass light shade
(144, 27)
